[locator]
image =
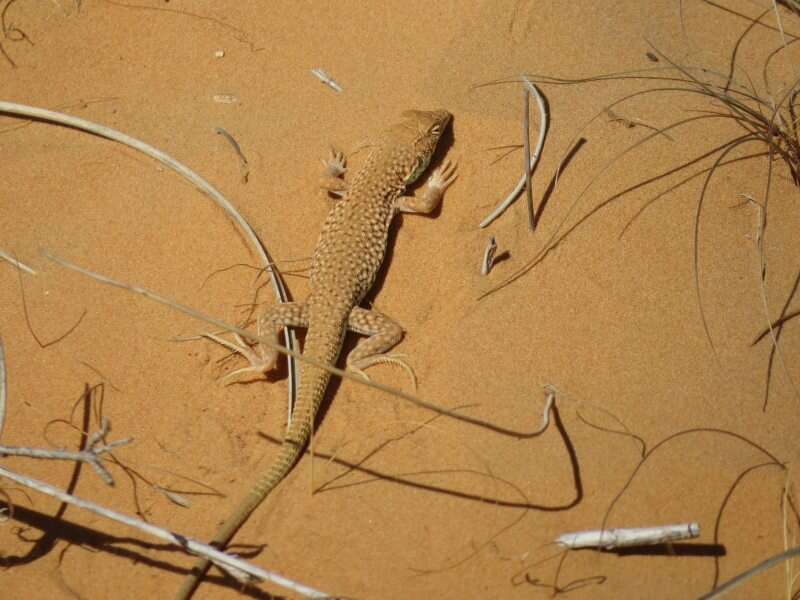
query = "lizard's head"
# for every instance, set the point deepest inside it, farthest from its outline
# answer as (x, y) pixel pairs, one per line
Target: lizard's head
(419, 132)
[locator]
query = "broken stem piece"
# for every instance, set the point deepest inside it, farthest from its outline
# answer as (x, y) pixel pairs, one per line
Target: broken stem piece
(326, 79)
(543, 124)
(609, 539)
(16, 263)
(488, 256)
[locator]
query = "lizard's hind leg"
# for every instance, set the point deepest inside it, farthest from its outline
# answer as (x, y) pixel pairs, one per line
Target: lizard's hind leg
(383, 334)
(262, 357)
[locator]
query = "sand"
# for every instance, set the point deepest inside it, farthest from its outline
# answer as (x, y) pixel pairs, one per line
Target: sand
(407, 504)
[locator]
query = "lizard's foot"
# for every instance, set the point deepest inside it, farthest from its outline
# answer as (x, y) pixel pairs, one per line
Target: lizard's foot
(333, 176)
(443, 176)
(438, 181)
(262, 357)
(261, 360)
(358, 366)
(335, 165)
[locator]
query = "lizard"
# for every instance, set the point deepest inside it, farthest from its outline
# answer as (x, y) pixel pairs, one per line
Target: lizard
(344, 266)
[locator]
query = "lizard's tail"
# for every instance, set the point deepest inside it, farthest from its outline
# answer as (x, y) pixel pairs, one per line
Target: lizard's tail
(321, 343)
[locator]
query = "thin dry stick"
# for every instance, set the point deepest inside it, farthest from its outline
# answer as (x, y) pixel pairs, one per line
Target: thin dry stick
(22, 267)
(786, 500)
(326, 79)
(91, 455)
(526, 157)
(187, 173)
(283, 350)
(742, 577)
(236, 567)
(762, 265)
(531, 165)
(3, 386)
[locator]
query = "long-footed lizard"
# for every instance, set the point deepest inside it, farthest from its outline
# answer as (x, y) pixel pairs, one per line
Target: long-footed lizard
(346, 261)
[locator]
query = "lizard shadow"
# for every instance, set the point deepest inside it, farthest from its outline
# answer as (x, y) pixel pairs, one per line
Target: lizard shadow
(405, 479)
(55, 528)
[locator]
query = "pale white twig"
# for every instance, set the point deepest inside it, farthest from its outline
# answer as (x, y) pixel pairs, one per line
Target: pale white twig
(543, 124)
(488, 256)
(16, 263)
(526, 157)
(618, 538)
(742, 577)
(326, 79)
(550, 400)
(786, 502)
(236, 567)
(187, 173)
(3, 386)
(90, 456)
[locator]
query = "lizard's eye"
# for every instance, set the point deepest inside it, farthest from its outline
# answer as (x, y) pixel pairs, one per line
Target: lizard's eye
(435, 130)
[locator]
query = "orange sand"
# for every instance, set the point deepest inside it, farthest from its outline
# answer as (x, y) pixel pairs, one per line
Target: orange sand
(435, 509)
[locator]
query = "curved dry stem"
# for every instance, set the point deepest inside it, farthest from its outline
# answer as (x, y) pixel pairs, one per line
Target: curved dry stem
(741, 90)
(756, 127)
(3, 386)
(710, 89)
(49, 116)
(723, 505)
(739, 41)
(682, 182)
(777, 327)
(751, 572)
(761, 235)
(769, 59)
(753, 121)
(624, 76)
(553, 240)
(696, 235)
(773, 459)
(742, 16)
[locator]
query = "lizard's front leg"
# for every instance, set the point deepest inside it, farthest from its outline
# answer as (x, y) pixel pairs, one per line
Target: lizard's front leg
(262, 358)
(383, 334)
(438, 182)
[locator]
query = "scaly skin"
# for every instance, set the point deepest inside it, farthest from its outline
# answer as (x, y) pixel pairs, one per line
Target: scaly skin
(346, 261)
